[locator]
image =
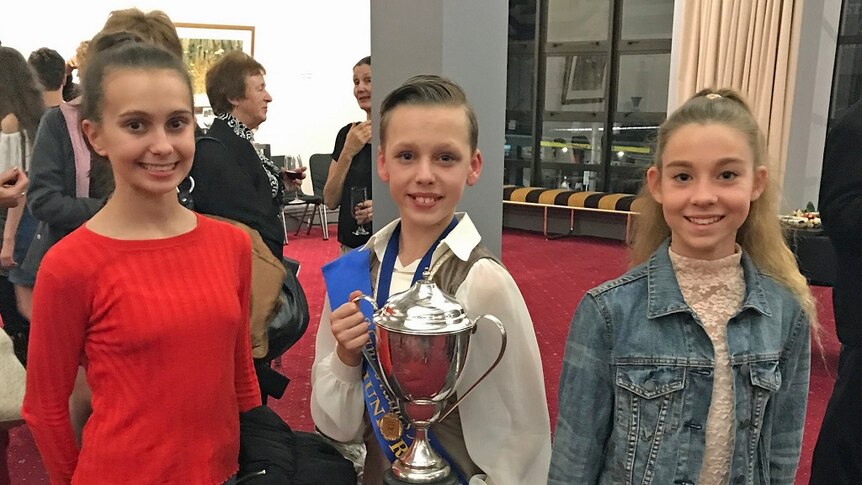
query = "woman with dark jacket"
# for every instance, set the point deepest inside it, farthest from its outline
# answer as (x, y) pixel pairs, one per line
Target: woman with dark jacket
(231, 179)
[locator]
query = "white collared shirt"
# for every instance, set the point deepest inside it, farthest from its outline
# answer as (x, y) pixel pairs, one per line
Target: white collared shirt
(505, 419)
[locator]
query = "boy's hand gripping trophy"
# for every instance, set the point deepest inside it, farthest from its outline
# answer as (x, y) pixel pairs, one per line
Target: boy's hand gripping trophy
(422, 338)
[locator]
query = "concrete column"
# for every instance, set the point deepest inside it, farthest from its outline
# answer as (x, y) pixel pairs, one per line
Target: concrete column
(465, 41)
(810, 114)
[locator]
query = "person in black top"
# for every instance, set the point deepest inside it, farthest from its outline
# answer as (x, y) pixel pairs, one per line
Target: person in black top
(351, 165)
(837, 457)
(232, 179)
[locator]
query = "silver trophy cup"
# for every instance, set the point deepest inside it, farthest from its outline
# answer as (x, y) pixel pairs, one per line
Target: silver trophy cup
(422, 340)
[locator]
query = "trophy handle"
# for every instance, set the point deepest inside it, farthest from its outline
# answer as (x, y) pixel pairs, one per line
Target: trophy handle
(366, 298)
(503, 341)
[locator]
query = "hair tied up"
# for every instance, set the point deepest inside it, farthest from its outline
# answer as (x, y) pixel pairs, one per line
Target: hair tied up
(712, 96)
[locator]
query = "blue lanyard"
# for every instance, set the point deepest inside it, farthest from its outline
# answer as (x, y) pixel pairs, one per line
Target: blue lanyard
(388, 263)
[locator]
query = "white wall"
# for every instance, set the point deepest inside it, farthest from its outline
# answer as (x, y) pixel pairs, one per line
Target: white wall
(308, 49)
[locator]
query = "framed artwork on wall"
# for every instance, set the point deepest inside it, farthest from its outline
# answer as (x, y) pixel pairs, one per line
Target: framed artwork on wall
(204, 44)
(584, 81)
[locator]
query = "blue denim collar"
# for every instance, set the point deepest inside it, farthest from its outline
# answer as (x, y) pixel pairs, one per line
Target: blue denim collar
(666, 298)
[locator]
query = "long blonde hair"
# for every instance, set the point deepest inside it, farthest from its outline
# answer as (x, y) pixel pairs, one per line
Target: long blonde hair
(761, 235)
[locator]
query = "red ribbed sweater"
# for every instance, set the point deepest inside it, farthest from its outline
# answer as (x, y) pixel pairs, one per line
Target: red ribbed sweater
(162, 329)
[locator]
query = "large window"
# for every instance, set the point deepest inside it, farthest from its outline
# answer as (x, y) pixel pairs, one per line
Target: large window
(588, 85)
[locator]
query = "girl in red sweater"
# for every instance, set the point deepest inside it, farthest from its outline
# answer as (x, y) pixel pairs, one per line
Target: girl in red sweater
(151, 298)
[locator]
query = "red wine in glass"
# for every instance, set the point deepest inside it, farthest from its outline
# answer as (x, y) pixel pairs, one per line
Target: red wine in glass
(292, 174)
(293, 164)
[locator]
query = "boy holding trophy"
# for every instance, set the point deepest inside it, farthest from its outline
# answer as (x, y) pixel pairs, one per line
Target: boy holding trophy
(500, 433)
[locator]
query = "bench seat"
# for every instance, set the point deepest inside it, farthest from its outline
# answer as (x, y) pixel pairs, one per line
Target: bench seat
(625, 205)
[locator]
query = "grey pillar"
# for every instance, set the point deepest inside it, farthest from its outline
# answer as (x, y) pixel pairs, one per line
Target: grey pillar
(466, 41)
(817, 43)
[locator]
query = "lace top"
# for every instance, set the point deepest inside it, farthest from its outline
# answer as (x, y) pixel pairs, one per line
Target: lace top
(715, 290)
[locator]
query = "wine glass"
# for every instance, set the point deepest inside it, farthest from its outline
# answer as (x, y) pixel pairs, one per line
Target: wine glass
(207, 116)
(358, 195)
(293, 163)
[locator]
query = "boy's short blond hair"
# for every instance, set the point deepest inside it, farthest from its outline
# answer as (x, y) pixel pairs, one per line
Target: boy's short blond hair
(429, 90)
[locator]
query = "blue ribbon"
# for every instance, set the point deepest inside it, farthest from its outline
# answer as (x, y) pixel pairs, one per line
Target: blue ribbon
(352, 272)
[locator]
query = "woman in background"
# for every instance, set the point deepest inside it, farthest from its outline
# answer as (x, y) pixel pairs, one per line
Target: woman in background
(351, 165)
(20, 110)
(236, 182)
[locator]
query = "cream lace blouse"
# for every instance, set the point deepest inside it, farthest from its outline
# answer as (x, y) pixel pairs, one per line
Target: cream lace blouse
(715, 290)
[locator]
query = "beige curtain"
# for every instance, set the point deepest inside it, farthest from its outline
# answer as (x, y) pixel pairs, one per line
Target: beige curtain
(748, 45)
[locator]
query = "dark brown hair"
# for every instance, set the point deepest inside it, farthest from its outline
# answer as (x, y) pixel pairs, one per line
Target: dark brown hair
(225, 80)
(20, 91)
(133, 55)
(154, 27)
(49, 66)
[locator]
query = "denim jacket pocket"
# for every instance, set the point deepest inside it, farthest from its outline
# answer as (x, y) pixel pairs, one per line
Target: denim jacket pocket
(648, 408)
(650, 381)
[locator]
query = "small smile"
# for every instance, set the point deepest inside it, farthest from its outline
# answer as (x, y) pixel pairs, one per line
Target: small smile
(425, 199)
(152, 167)
(703, 220)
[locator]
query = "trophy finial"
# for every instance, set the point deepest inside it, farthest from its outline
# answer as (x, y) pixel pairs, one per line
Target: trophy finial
(426, 274)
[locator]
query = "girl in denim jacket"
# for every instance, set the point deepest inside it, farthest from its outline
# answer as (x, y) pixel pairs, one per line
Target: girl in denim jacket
(692, 368)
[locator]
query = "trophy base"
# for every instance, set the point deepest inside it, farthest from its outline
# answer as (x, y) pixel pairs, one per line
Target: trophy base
(390, 479)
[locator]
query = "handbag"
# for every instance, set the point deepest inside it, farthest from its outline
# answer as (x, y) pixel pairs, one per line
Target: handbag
(12, 383)
(290, 321)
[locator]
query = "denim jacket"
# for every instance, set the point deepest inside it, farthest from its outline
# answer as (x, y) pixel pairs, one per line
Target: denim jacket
(637, 383)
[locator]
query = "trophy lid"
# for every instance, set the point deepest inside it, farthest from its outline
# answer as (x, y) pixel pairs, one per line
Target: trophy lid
(423, 309)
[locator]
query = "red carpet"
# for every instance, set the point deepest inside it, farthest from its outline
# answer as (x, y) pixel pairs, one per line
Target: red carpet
(552, 275)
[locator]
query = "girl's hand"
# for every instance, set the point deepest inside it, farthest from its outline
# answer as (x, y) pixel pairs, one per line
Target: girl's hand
(350, 330)
(13, 186)
(6, 251)
(357, 137)
(363, 212)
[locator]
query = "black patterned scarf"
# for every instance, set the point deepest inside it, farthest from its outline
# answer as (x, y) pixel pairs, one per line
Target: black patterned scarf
(271, 170)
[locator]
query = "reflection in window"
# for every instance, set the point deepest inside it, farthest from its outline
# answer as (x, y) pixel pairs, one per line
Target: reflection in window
(647, 19)
(578, 20)
(851, 22)
(643, 83)
(847, 79)
(575, 83)
(519, 83)
(571, 155)
(633, 151)
(522, 20)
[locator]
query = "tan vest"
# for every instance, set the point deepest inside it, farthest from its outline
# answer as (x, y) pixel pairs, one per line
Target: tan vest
(448, 273)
